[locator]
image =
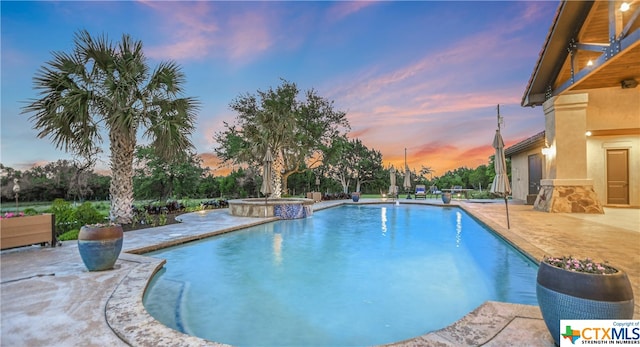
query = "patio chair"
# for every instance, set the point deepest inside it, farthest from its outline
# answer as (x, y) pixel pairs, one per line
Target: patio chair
(421, 191)
(433, 190)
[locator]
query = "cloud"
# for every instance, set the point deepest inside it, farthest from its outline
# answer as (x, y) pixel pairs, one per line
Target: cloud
(210, 160)
(446, 95)
(343, 9)
(361, 132)
(202, 29)
(249, 35)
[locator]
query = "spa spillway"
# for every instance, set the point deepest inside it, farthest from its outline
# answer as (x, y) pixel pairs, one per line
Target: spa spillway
(289, 208)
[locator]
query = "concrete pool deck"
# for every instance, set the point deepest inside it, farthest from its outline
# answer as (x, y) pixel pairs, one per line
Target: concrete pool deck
(47, 298)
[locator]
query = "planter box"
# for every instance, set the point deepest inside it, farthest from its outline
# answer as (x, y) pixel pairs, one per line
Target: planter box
(29, 230)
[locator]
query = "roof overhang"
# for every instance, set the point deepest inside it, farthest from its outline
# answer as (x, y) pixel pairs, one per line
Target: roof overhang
(591, 44)
(535, 141)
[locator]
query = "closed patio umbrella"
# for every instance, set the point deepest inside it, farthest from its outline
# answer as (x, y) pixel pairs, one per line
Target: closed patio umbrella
(407, 176)
(267, 176)
(392, 179)
(500, 185)
(407, 181)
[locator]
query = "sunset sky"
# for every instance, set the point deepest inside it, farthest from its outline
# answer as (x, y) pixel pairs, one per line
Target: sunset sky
(425, 76)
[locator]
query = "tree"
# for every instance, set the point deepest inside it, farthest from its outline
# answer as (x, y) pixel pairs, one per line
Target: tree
(209, 187)
(348, 160)
(422, 175)
(340, 162)
(479, 178)
(79, 184)
(105, 86)
(368, 163)
(158, 178)
(296, 131)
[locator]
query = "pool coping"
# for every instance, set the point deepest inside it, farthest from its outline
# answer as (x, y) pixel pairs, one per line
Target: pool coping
(126, 316)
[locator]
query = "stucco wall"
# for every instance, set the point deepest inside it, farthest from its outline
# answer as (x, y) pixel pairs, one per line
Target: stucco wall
(520, 173)
(596, 162)
(613, 108)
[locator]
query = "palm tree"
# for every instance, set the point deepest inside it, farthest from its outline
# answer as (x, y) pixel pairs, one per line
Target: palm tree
(101, 87)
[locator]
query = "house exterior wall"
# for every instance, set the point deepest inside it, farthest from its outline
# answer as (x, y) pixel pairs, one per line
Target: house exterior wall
(567, 189)
(613, 108)
(565, 127)
(575, 174)
(520, 173)
(597, 156)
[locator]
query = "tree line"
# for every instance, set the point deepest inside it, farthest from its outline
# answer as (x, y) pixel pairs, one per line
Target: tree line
(155, 179)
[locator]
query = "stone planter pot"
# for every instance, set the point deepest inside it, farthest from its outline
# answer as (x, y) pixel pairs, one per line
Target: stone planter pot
(564, 294)
(100, 246)
(446, 197)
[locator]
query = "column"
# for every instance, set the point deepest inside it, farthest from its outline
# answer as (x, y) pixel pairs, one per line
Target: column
(567, 188)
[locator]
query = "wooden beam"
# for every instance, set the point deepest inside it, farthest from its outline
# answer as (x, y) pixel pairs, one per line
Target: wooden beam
(613, 52)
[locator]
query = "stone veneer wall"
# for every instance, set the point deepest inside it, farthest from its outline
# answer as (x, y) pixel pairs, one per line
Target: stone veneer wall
(282, 208)
(568, 199)
(251, 210)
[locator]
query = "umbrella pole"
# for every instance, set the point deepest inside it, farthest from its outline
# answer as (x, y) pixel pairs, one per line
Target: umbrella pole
(506, 205)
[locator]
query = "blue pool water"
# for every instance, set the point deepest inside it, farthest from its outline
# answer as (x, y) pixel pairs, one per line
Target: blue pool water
(348, 276)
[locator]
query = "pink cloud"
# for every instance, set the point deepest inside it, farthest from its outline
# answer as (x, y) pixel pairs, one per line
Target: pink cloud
(195, 48)
(196, 30)
(361, 132)
(249, 35)
(211, 161)
(344, 9)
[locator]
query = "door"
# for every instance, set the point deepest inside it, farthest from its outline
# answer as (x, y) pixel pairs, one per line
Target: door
(535, 173)
(618, 176)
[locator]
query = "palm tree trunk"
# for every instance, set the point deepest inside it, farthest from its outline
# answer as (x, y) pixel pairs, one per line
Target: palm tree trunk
(277, 177)
(121, 189)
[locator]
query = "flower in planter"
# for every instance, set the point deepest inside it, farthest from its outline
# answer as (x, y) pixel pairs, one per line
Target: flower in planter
(102, 225)
(12, 215)
(586, 265)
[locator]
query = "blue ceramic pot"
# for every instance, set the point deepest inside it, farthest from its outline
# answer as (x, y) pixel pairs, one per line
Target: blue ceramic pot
(564, 294)
(355, 197)
(100, 246)
(446, 198)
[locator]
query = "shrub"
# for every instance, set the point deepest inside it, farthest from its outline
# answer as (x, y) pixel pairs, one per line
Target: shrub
(485, 194)
(162, 219)
(102, 207)
(87, 214)
(69, 235)
(65, 220)
(30, 211)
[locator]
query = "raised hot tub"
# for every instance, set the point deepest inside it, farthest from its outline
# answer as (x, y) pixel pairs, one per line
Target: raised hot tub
(284, 208)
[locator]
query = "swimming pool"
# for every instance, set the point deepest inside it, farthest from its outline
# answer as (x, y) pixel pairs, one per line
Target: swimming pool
(350, 275)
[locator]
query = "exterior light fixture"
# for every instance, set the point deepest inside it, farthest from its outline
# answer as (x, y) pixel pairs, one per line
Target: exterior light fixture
(547, 150)
(590, 62)
(588, 133)
(624, 7)
(630, 83)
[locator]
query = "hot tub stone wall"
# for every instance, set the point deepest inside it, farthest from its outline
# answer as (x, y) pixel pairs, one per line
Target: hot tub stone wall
(291, 209)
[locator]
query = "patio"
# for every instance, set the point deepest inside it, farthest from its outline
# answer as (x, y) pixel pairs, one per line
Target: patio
(48, 297)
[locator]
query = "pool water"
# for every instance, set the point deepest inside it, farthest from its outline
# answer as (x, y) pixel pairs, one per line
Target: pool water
(348, 276)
